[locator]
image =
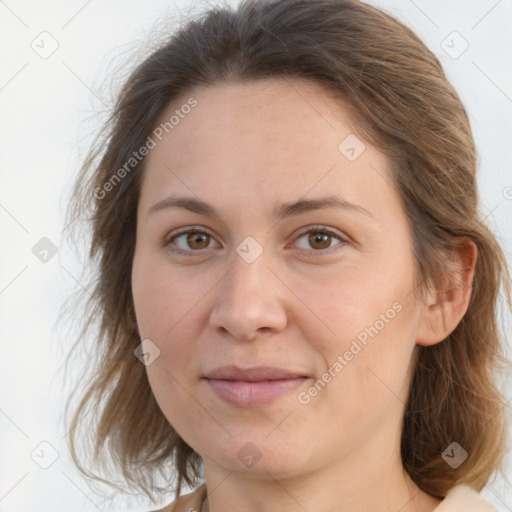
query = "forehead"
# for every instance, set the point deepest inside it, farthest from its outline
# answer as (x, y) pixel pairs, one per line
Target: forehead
(263, 139)
(277, 112)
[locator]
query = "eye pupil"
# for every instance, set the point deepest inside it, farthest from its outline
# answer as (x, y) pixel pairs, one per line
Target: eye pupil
(322, 238)
(201, 238)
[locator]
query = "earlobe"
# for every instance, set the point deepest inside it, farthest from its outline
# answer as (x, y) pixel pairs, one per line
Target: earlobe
(448, 301)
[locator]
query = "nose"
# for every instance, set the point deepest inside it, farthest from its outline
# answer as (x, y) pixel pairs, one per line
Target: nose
(250, 300)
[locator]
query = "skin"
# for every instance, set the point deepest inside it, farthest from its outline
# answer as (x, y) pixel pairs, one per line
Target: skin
(244, 149)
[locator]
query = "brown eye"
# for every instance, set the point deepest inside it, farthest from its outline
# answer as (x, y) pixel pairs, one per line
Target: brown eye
(189, 242)
(319, 240)
(198, 240)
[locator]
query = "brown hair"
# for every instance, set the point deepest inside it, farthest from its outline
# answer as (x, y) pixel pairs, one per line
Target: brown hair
(409, 111)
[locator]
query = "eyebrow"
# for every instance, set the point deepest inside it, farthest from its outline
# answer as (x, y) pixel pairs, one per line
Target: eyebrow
(280, 212)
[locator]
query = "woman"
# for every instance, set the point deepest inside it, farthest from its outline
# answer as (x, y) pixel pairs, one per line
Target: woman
(296, 295)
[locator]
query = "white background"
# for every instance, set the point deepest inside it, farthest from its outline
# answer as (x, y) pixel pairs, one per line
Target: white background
(47, 111)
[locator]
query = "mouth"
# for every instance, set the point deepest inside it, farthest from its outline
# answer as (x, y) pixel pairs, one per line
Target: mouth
(253, 387)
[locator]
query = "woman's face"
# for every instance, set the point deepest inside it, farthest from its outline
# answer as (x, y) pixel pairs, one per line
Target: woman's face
(301, 261)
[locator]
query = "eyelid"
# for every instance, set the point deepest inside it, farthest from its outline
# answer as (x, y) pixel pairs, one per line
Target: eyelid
(321, 229)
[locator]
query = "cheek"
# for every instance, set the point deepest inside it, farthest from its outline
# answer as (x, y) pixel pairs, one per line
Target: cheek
(165, 316)
(375, 364)
(163, 296)
(170, 313)
(352, 302)
(370, 338)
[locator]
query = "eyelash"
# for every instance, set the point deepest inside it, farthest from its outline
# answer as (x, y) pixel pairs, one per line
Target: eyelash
(309, 230)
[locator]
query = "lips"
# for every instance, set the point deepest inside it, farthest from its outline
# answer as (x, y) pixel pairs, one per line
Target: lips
(254, 386)
(254, 374)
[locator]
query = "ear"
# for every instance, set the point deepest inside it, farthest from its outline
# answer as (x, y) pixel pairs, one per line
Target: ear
(448, 300)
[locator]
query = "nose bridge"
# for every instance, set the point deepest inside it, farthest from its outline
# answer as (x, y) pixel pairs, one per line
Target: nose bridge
(251, 298)
(250, 279)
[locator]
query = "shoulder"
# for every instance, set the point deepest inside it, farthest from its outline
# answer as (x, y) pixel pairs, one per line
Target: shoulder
(463, 498)
(191, 502)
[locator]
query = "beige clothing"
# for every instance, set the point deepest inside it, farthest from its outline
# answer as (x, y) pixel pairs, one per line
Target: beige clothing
(460, 498)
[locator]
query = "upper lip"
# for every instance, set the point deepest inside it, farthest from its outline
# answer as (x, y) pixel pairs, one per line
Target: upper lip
(253, 374)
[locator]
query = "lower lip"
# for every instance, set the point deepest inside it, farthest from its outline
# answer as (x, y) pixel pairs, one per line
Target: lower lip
(251, 394)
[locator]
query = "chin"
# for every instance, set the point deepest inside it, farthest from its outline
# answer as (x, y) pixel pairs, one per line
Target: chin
(261, 458)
